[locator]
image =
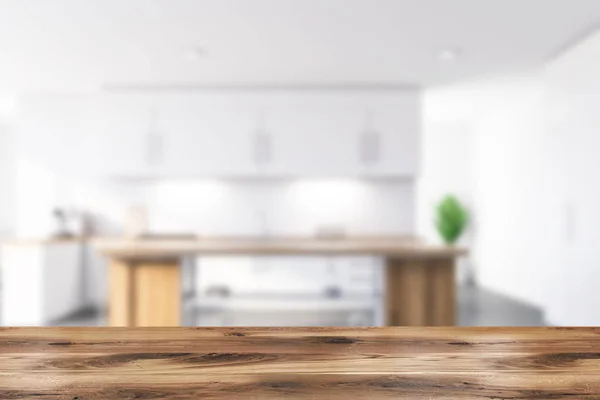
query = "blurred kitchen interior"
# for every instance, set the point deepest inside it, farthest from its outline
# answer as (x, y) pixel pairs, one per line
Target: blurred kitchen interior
(300, 118)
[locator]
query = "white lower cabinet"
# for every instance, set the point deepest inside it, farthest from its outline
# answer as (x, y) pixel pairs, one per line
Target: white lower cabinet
(292, 276)
(359, 276)
(41, 283)
(95, 267)
(288, 290)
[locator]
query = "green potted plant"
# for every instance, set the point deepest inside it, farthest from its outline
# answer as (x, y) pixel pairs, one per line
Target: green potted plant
(451, 219)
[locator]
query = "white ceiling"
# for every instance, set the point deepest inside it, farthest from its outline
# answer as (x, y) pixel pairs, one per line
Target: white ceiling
(62, 44)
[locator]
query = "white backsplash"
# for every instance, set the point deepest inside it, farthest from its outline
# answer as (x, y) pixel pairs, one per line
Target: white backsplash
(220, 207)
(300, 207)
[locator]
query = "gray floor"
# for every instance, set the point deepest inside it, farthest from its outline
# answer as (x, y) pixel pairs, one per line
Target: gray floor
(477, 307)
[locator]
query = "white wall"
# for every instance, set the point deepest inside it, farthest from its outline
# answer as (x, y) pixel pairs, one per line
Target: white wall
(535, 191)
(447, 168)
(7, 165)
(502, 117)
(7, 180)
(573, 125)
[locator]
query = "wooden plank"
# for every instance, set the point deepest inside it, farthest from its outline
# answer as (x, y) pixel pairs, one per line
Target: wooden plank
(120, 301)
(442, 293)
(196, 363)
(307, 363)
(157, 294)
(304, 386)
(389, 340)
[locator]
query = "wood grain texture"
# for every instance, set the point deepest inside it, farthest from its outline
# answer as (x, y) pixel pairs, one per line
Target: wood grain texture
(420, 292)
(120, 301)
(442, 294)
(309, 363)
(144, 294)
(412, 284)
(393, 300)
(157, 294)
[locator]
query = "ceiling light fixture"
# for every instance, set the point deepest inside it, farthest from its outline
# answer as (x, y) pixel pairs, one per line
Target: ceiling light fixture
(195, 53)
(448, 55)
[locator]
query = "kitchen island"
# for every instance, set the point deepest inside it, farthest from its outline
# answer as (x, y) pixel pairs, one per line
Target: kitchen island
(299, 363)
(145, 274)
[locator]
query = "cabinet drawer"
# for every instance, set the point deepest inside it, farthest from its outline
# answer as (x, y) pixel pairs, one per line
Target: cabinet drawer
(289, 275)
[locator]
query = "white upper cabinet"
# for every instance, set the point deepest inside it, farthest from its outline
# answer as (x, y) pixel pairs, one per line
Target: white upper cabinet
(390, 134)
(271, 133)
(203, 135)
(341, 133)
(287, 133)
(311, 135)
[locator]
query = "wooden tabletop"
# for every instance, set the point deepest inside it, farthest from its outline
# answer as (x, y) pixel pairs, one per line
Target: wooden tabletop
(309, 363)
(172, 248)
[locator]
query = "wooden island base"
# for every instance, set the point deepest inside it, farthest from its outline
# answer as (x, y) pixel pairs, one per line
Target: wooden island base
(148, 293)
(145, 293)
(420, 293)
